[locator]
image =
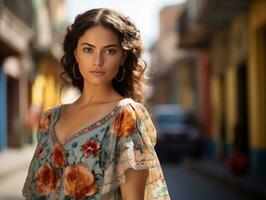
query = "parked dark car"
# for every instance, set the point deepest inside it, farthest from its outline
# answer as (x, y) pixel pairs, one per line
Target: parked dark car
(177, 132)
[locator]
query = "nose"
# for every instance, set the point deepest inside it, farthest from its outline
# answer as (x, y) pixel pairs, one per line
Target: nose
(98, 60)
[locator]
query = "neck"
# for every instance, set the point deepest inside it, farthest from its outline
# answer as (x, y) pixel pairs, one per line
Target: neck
(98, 93)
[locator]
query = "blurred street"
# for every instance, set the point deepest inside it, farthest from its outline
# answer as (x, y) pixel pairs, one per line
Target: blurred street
(13, 171)
(185, 184)
(11, 186)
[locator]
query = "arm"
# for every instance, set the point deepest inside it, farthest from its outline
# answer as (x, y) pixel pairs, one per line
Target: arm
(134, 188)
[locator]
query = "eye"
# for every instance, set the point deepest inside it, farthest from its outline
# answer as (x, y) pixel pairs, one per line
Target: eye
(111, 51)
(87, 50)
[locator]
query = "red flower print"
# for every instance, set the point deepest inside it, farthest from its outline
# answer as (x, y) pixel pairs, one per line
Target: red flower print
(90, 148)
(44, 122)
(46, 179)
(39, 152)
(79, 181)
(125, 123)
(58, 155)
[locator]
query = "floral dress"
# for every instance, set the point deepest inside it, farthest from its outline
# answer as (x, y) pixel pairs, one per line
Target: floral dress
(92, 163)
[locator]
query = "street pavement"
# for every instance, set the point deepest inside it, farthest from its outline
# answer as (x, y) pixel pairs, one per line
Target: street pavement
(13, 171)
(186, 184)
(11, 186)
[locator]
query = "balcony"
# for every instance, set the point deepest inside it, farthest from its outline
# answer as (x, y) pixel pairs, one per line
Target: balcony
(22, 10)
(202, 18)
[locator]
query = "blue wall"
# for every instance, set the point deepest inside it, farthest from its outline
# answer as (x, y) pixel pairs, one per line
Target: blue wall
(209, 147)
(3, 110)
(258, 161)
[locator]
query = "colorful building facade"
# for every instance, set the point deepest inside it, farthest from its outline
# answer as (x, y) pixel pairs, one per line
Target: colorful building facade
(235, 46)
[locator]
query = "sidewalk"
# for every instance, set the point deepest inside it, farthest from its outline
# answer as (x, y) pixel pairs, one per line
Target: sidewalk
(13, 159)
(254, 186)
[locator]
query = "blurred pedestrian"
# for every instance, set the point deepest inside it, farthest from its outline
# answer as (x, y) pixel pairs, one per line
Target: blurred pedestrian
(101, 146)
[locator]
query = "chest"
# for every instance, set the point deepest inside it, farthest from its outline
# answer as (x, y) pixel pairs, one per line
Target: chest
(85, 147)
(72, 123)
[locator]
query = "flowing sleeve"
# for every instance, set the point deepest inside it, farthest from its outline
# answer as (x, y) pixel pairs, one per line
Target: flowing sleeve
(131, 145)
(29, 189)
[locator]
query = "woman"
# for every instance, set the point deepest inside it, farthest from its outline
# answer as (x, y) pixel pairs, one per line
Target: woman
(100, 146)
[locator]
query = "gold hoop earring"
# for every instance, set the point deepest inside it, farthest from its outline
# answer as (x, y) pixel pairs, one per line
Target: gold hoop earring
(124, 72)
(73, 70)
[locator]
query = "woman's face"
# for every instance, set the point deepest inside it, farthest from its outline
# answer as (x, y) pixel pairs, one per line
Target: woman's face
(99, 55)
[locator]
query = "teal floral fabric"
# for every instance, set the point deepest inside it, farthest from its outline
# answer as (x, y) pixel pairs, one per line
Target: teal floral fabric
(92, 163)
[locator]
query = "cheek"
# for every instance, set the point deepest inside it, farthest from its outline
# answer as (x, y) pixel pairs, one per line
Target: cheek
(113, 69)
(85, 64)
(85, 60)
(114, 64)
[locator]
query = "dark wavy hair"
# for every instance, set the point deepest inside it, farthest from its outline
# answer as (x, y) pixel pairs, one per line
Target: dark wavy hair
(129, 36)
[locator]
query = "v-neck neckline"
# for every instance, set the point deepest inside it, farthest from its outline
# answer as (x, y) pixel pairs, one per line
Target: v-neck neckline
(87, 128)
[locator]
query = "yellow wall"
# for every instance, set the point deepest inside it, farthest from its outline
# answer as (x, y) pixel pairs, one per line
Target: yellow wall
(246, 44)
(184, 86)
(215, 106)
(229, 50)
(230, 105)
(257, 75)
(218, 95)
(236, 55)
(46, 87)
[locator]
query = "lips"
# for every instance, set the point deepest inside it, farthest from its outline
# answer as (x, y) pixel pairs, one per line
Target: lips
(97, 72)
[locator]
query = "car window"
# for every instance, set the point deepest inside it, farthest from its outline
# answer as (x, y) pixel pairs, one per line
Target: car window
(172, 119)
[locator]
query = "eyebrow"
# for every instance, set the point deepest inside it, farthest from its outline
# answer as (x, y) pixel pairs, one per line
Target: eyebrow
(107, 46)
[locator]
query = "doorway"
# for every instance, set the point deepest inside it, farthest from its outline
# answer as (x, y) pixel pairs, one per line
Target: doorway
(241, 139)
(13, 112)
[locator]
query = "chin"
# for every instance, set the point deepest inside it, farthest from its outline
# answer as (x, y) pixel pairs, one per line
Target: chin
(99, 82)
